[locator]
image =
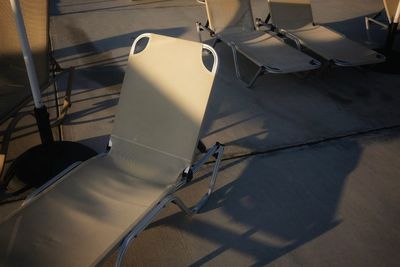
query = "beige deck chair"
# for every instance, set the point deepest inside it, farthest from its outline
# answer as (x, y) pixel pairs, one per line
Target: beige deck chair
(105, 202)
(294, 18)
(231, 21)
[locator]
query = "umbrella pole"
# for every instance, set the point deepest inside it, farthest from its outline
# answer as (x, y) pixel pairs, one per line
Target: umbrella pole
(41, 114)
(42, 162)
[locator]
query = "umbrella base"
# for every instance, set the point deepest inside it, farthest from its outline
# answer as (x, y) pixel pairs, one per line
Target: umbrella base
(41, 163)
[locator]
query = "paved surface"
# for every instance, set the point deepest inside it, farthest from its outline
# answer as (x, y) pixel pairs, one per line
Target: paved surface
(334, 203)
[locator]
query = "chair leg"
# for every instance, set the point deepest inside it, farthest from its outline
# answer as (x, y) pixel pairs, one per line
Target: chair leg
(253, 80)
(213, 179)
(178, 202)
(235, 60)
(237, 69)
(374, 19)
(368, 20)
(219, 150)
(139, 228)
(189, 211)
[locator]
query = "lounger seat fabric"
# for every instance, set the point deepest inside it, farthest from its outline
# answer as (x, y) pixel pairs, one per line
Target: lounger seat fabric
(334, 46)
(295, 17)
(263, 49)
(75, 222)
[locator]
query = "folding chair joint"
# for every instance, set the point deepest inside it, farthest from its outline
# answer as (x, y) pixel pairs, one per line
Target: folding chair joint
(260, 23)
(200, 27)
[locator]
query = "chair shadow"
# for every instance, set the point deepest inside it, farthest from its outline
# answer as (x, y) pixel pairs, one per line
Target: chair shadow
(285, 199)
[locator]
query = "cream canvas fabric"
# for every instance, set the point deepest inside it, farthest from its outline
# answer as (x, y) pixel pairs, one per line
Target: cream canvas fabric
(291, 14)
(223, 14)
(295, 17)
(83, 216)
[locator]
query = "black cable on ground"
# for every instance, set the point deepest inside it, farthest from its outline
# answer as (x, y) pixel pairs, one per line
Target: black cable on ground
(309, 143)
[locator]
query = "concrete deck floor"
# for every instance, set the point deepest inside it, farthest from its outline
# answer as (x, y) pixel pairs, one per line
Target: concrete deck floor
(311, 170)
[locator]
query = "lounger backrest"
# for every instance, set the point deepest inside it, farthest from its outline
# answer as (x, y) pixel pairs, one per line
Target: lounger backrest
(391, 7)
(290, 14)
(35, 14)
(223, 14)
(161, 107)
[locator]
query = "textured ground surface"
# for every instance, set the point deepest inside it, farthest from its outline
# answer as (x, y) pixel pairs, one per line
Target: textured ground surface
(310, 176)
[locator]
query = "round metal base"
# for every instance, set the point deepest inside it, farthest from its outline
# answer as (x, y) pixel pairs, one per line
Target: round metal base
(42, 162)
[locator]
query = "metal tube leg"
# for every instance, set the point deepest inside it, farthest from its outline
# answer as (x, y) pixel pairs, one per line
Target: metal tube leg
(219, 149)
(237, 69)
(253, 80)
(177, 201)
(139, 228)
(367, 23)
(211, 186)
(235, 59)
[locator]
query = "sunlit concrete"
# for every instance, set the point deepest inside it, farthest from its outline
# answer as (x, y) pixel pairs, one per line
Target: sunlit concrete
(334, 203)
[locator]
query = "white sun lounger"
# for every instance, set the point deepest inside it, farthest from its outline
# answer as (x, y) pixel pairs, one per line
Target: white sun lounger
(105, 202)
(294, 18)
(231, 21)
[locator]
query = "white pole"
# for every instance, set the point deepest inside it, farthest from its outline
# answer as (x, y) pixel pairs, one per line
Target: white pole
(26, 50)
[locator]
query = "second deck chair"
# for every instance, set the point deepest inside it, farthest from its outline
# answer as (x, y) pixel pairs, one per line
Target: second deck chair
(231, 21)
(294, 18)
(105, 202)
